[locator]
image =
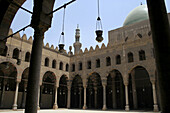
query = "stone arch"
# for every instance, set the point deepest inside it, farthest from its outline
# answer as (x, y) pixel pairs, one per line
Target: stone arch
(77, 92)
(7, 14)
(115, 90)
(48, 90)
(62, 92)
(140, 89)
(94, 91)
(8, 76)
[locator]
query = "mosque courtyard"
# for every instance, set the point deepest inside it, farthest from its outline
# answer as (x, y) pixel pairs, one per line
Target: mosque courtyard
(76, 111)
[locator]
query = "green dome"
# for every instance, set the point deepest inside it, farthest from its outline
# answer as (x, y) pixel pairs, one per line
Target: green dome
(138, 14)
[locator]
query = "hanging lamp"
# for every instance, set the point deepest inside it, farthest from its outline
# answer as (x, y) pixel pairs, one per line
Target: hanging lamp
(61, 40)
(99, 29)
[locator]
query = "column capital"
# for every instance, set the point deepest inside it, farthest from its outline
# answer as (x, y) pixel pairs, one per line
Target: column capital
(84, 86)
(126, 82)
(104, 81)
(153, 80)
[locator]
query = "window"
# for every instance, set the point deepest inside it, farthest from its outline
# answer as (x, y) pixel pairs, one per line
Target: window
(89, 65)
(67, 67)
(73, 67)
(108, 61)
(54, 64)
(15, 53)
(61, 66)
(97, 63)
(130, 57)
(118, 59)
(27, 57)
(142, 55)
(46, 62)
(139, 35)
(80, 65)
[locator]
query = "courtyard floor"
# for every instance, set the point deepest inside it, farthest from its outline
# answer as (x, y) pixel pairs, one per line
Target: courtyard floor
(75, 111)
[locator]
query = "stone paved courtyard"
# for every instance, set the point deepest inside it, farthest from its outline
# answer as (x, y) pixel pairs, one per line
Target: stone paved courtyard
(74, 111)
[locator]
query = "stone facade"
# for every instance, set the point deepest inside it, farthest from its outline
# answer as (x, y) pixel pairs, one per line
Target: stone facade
(129, 49)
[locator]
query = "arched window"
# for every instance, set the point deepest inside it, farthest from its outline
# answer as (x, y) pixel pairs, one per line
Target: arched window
(118, 59)
(54, 64)
(61, 66)
(15, 53)
(130, 57)
(142, 55)
(46, 62)
(5, 51)
(73, 67)
(67, 67)
(88, 64)
(108, 61)
(97, 63)
(27, 57)
(80, 66)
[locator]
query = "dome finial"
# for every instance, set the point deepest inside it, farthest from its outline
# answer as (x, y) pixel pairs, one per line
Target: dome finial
(77, 26)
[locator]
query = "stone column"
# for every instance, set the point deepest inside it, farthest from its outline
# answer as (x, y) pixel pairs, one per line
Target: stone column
(95, 97)
(14, 107)
(34, 72)
(38, 102)
(80, 97)
(135, 102)
(2, 93)
(160, 28)
(104, 97)
(126, 95)
(23, 96)
(155, 106)
(68, 96)
(84, 106)
(55, 106)
(40, 22)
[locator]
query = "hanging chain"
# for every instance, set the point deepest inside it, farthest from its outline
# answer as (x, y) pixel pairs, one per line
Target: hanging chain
(98, 10)
(62, 33)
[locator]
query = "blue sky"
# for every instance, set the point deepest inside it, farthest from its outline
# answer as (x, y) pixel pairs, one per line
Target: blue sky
(82, 12)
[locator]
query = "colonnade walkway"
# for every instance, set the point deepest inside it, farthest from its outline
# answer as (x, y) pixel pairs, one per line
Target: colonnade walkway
(76, 111)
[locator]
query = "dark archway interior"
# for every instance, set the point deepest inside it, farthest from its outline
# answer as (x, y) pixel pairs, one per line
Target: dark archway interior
(8, 74)
(62, 92)
(94, 92)
(23, 88)
(77, 92)
(47, 90)
(140, 89)
(115, 91)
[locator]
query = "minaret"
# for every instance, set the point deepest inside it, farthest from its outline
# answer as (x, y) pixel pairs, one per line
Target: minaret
(77, 44)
